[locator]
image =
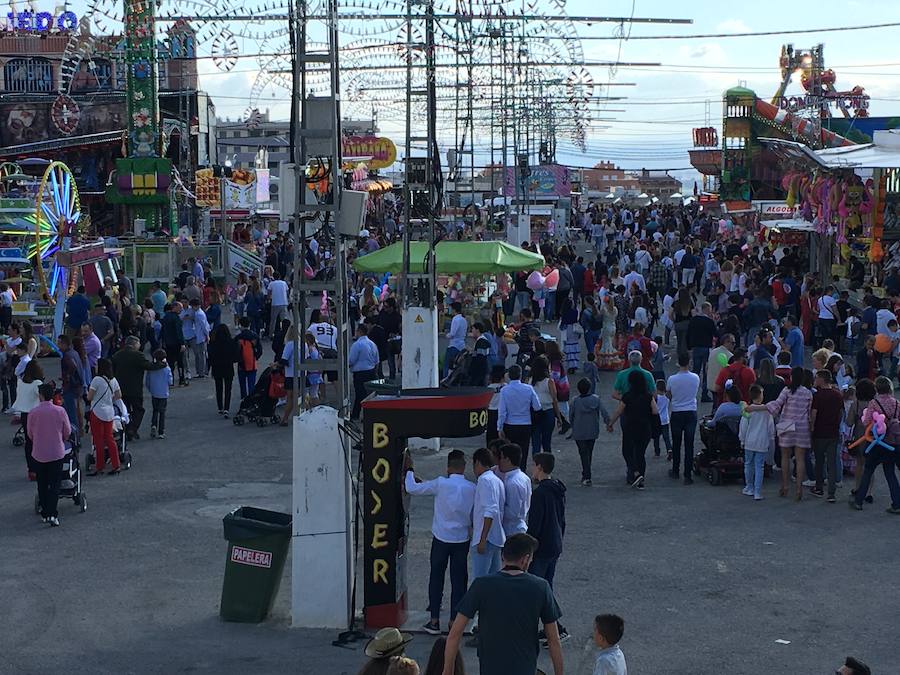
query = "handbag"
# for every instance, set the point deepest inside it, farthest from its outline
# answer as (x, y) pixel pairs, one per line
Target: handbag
(785, 426)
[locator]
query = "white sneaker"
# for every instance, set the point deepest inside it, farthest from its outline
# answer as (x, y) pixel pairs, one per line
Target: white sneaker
(747, 491)
(809, 483)
(757, 498)
(54, 521)
(839, 486)
(162, 437)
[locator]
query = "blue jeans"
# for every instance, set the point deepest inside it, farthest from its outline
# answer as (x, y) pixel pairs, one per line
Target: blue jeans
(70, 403)
(542, 425)
(683, 423)
(523, 300)
(590, 339)
(700, 356)
(246, 381)
(550, 306)
(754, 466)
(487, 562)
(545, 568)
(457, 556)
(449, 357)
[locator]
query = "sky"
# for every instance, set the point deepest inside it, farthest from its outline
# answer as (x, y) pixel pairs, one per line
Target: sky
(653, 129)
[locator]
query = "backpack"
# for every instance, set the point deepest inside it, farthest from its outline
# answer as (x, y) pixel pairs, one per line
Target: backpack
(247, 355)
(893, 424)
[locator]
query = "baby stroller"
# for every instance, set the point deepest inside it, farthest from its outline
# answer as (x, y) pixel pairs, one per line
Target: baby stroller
(259, 405)
(70, 484)
(120, 421)
(722, 457)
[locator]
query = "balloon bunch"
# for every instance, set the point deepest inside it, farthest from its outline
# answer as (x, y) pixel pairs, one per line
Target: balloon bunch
(874, 435)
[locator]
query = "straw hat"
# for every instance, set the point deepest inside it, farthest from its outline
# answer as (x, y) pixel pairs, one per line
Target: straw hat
(387, 642)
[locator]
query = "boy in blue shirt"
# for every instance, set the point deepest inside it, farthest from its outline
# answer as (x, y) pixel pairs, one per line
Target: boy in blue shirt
(608, 630)
(157, 382)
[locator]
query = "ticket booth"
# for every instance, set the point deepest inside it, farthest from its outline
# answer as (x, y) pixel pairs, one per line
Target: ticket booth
(388, 420)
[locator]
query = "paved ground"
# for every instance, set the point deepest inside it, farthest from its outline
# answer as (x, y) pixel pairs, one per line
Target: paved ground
(707, 580)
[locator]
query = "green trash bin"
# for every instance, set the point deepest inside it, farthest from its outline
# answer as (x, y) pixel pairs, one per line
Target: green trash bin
(258, 542)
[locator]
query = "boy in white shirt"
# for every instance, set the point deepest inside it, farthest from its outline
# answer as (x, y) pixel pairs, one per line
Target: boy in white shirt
(662, 402)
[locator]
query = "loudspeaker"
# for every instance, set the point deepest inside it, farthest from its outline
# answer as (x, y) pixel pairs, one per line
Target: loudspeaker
(351, 215)
(288, 179)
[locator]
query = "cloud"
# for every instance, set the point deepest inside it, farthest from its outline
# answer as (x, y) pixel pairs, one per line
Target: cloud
(732, 26)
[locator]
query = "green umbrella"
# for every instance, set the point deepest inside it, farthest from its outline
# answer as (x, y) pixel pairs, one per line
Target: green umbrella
(471, 257)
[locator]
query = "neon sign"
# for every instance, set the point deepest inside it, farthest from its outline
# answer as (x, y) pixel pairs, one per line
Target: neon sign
(41, 22)
(851, 100)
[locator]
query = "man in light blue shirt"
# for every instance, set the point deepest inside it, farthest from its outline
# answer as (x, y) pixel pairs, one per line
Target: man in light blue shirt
(364, 360)
(793, 341)
(517, 400)
(159, 299)
(196, 335)
(459, 327)
(487, 515)
(518, 490)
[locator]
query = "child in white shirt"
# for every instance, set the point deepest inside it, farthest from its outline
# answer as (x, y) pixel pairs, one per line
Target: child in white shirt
(608, 630)
(757, 434)
(662, 402)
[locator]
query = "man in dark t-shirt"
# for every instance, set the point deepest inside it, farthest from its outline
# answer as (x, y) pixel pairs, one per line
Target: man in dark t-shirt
(509, 605)
(827, 411)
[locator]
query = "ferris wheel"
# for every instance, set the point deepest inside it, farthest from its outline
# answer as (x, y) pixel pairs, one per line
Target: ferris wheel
(56, 215)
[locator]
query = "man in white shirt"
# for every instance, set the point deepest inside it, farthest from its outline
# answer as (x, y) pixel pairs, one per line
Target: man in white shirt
(454, 498)
(517, 400)
(487, 515)
(518, 490)
(459, 328)
(828, 314)
(682, 388)
(7, 297)
(278, 293)
(634, 278)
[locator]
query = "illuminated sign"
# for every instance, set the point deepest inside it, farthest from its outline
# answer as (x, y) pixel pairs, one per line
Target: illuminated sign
(41, 22)
(382, 150)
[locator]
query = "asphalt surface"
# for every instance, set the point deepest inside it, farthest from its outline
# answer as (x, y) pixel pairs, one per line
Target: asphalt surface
(707, 580)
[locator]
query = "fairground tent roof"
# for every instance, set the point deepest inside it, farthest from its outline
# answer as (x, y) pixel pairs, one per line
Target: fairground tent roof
(472, 257)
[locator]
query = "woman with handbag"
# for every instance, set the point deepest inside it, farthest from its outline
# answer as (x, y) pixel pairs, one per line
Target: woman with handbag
(877, 455)
(792, 408)
(102, 395)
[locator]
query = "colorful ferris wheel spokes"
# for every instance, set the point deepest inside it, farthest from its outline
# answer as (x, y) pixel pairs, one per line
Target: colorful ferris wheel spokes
(56, 216)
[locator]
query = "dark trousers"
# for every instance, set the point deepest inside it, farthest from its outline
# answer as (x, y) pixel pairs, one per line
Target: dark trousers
(29, 462)
(825, 450)
(879, 456)
(543, 424)
(135, 407)
(5, 318)
(175, 357)
(665, 435)
(491, 432)
(223, 392)
(158, 416)
(545, 568)
(520, 434)
(458, 557)
(683, 424)
(634, 447)
(246, 381)
(360, 378)
(8, 387)
(586, 452)
(70, 404)
(48, 477)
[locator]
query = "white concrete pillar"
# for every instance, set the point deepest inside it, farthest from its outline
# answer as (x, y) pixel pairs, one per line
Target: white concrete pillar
(420, 359)
(322, 557)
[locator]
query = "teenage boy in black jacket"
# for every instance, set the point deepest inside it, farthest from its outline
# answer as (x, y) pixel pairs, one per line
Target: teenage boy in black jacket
(547, 520)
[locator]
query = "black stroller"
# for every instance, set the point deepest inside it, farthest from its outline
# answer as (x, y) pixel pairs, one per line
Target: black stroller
(259, 405)
(70, 483)
(722, 457)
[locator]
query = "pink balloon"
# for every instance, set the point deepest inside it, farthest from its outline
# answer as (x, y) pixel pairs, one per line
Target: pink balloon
(535, 281)
(384, 292)
(551, 281)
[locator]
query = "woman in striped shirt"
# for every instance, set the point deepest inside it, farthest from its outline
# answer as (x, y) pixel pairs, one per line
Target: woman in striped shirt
(792, 410)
